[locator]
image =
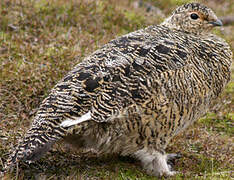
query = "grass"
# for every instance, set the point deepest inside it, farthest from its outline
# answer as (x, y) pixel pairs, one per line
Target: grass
(40, 41)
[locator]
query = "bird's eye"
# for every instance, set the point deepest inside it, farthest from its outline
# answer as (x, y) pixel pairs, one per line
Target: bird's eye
(194, 16)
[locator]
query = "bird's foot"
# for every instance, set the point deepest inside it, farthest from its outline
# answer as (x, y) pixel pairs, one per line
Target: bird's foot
(156, 163)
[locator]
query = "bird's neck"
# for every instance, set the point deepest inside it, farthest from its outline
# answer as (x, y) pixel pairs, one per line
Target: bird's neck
(170, 23)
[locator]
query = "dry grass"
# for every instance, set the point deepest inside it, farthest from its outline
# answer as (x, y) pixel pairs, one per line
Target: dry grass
(42, 40)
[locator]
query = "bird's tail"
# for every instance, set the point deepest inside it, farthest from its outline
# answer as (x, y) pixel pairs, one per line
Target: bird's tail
(53, 121)
(36, 142)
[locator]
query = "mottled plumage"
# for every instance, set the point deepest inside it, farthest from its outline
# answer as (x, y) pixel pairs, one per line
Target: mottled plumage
(136, 92)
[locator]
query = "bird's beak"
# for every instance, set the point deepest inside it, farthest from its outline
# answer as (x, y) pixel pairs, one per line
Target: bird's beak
(216, 23)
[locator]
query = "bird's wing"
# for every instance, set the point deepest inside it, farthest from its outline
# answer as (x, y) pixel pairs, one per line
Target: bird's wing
(123, 72)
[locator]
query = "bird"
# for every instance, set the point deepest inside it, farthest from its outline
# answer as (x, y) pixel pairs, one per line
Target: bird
(135, 93)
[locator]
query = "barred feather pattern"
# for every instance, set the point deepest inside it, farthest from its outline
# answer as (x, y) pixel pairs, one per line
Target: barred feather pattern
(140, 89)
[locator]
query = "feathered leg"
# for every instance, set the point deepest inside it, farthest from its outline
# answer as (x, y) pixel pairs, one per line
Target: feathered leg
(155, 162)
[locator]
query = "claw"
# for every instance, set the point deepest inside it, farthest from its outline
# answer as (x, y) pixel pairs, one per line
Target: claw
(173, 156)
(171, 159)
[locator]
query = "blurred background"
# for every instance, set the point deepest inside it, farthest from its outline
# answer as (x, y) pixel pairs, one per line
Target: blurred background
(41, 40)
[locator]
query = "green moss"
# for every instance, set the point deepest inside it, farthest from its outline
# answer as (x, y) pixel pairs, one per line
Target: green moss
(230, 86)
(219, 124)
(134, 18)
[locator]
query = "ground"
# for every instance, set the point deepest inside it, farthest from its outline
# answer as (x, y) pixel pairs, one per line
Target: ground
(42, 40)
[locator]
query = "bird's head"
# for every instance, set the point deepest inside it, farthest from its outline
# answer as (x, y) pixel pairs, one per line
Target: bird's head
(193, 18)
